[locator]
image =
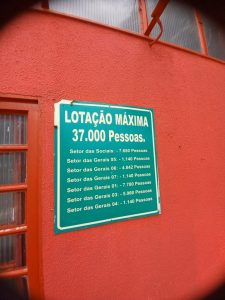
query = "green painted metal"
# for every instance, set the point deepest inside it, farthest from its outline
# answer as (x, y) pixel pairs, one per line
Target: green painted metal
(105, 164)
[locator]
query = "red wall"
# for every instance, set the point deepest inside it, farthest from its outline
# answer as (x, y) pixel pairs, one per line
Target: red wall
(177, 255)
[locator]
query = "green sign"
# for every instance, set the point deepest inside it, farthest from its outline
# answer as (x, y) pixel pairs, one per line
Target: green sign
(105, 164)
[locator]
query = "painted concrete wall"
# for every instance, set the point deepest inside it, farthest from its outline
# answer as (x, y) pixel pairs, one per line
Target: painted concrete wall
(178, 255)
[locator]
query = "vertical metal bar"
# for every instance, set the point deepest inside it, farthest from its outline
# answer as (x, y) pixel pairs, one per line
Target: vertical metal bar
(17, 247)
(5, 129)
(201, 32)
(1, 168)
(32, 206)
(1, 132)
(0, 252)
(143, 15)
(19, 129)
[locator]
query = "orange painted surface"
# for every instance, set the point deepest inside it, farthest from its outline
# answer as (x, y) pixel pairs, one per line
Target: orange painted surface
(31, 228)
(178, 255)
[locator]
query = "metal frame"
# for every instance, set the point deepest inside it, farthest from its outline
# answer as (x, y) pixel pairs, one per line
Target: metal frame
(31, 226)
(143, 15)
(201, 32)
(147, 26)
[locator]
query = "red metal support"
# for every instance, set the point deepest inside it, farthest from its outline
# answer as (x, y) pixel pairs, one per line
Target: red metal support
(159, 35)
(201, 32)
(12, 187)
(157, 12)
(9, 148)
(143, 15)
(14, 273)
(13, 230)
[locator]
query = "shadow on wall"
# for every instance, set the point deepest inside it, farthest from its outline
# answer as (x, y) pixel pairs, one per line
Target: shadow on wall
(217, 294)
(9, 292)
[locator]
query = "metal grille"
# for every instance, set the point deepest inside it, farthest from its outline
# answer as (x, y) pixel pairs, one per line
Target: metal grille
(12, 167)
(118, 13)
(179, 24)
(13, 129)
(12, 251)
(12, 208)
